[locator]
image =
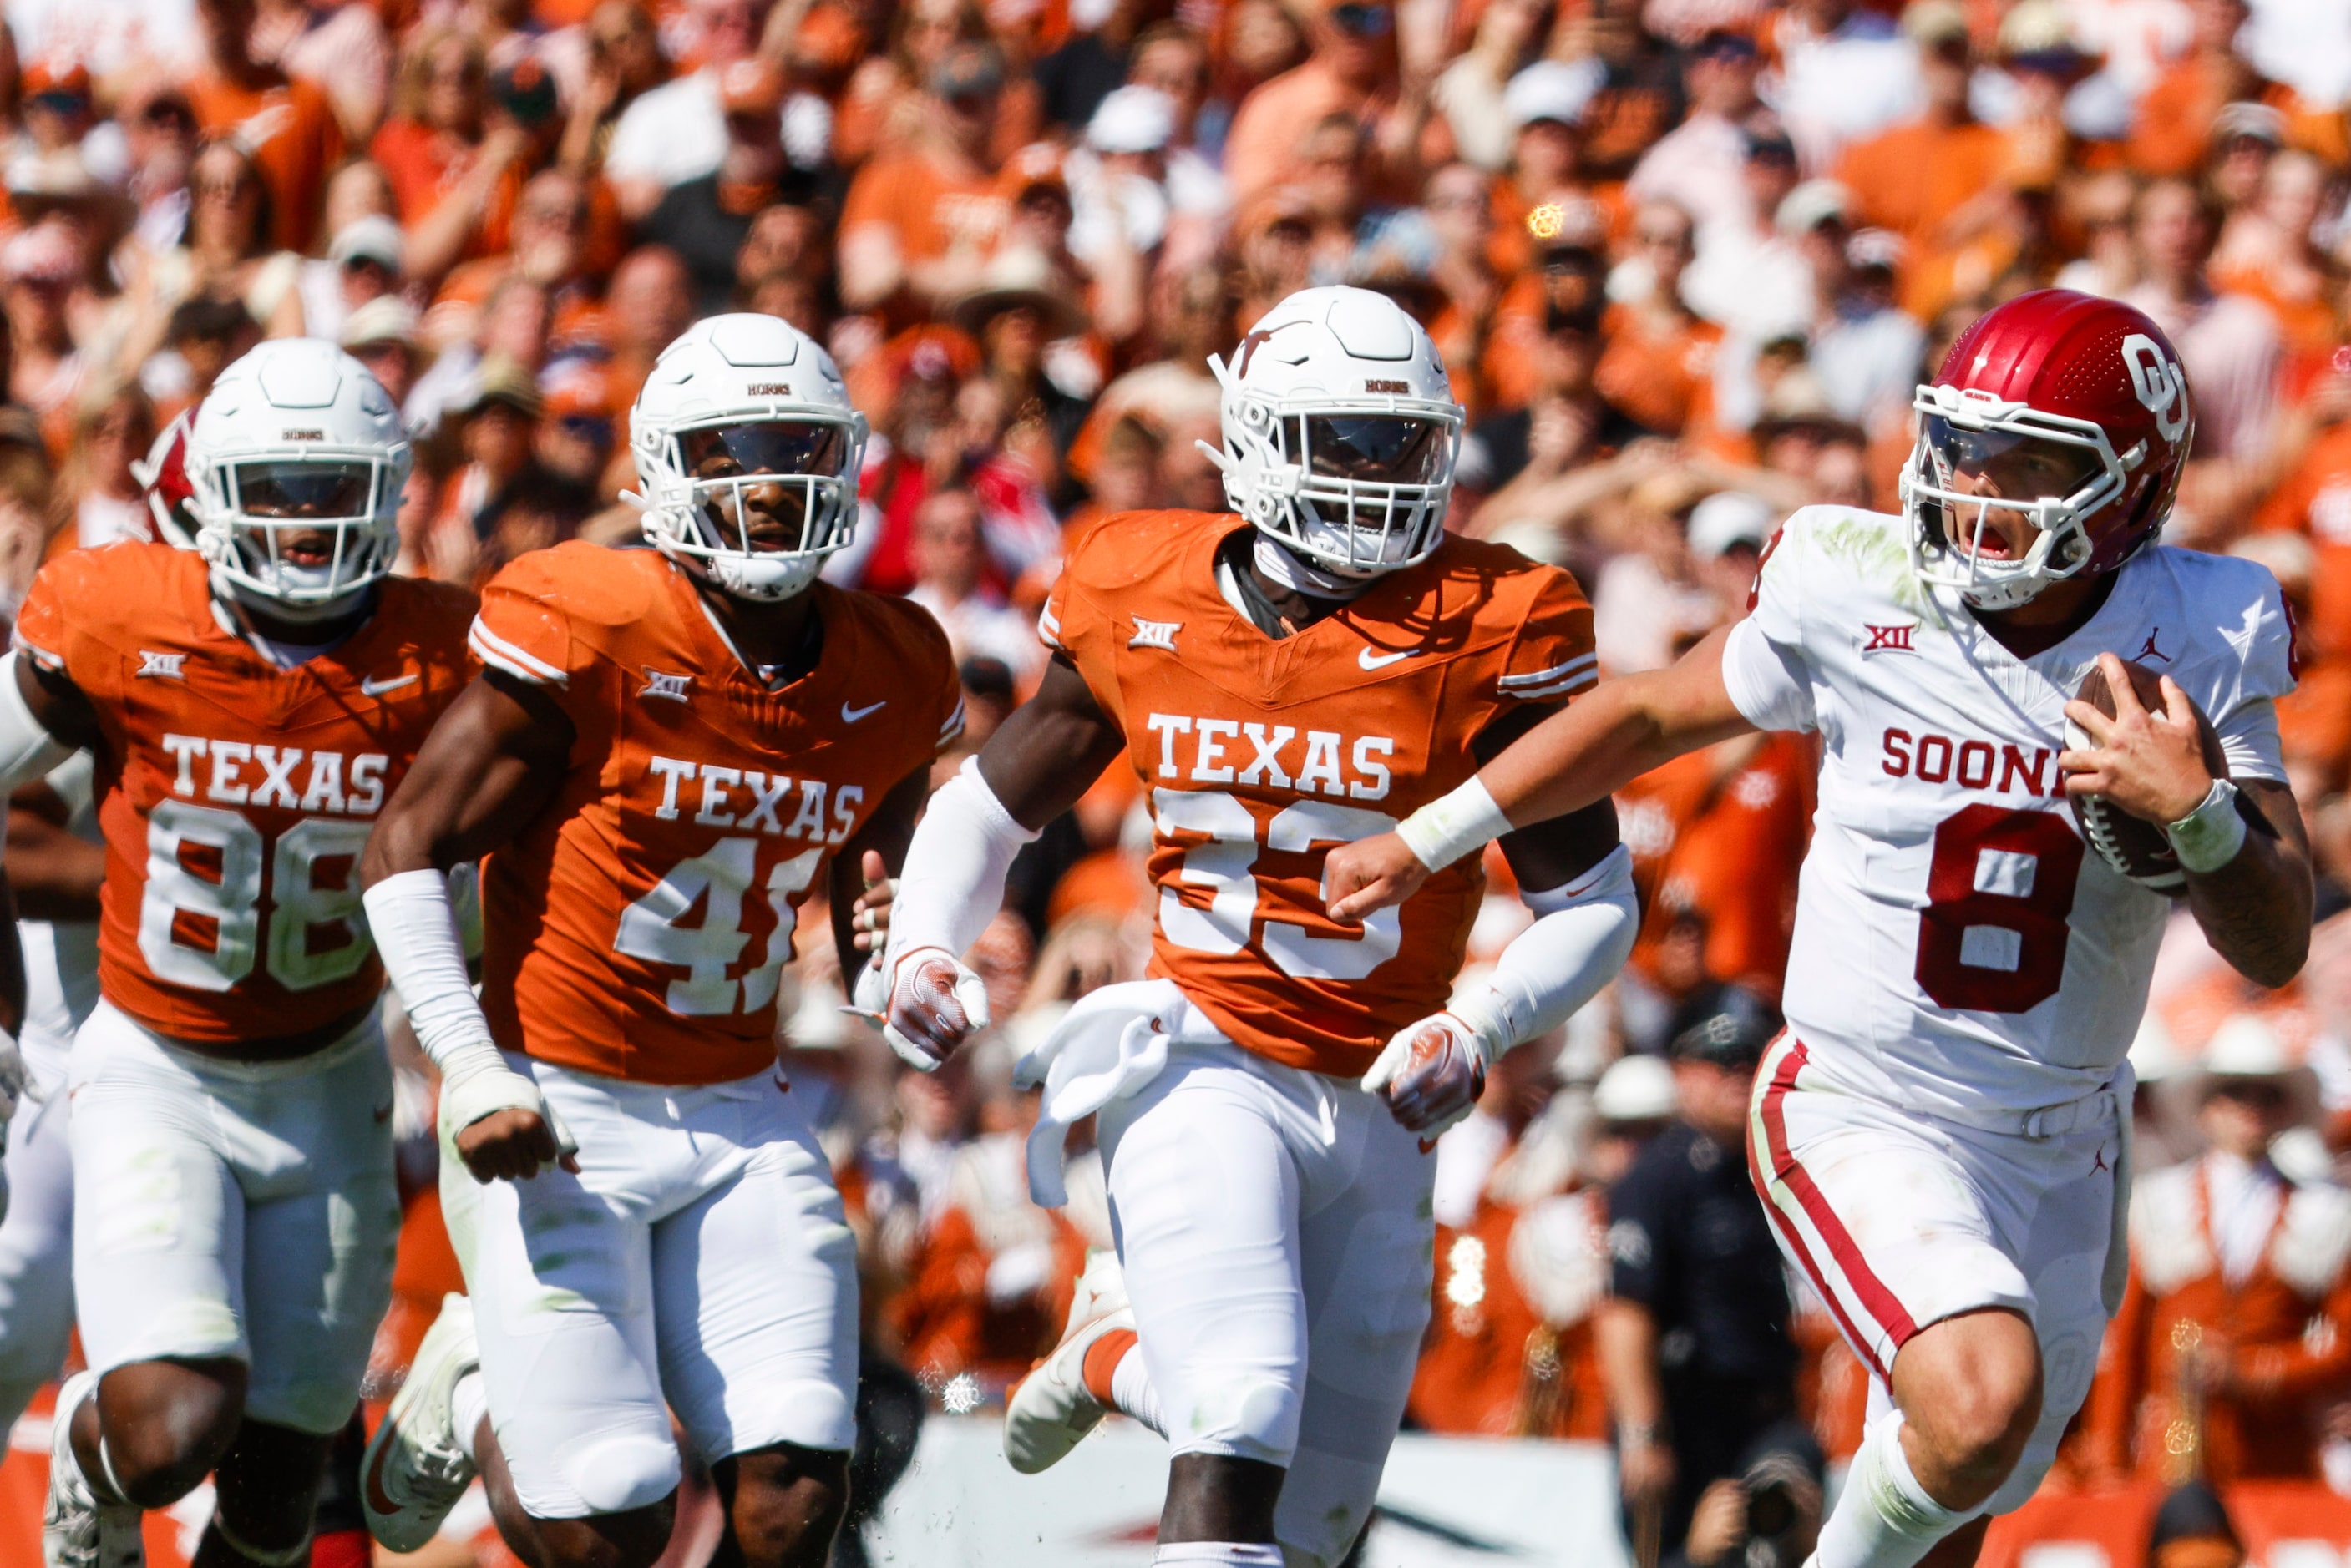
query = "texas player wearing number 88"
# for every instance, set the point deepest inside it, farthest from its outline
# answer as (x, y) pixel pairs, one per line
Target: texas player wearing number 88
(250, 704)
(1940, 1135)
(1281, 680)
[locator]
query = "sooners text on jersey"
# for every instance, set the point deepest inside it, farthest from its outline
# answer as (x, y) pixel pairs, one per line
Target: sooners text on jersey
(1956, 949)
(235, 795)
(638, 929)
(1259, 754)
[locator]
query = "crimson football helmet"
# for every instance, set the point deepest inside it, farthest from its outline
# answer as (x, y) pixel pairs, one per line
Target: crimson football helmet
(2079, 407)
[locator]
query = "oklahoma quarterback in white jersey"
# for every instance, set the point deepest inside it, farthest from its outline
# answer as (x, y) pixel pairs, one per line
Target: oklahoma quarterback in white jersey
(1940, 1135)
(1281, 680)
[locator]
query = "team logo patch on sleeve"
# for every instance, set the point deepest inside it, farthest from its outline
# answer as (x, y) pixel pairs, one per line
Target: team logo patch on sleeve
(1160, 634)
(661, 683)
(163, 665)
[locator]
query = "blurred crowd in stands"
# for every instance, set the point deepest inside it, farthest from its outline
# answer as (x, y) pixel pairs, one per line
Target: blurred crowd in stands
(1685, 260)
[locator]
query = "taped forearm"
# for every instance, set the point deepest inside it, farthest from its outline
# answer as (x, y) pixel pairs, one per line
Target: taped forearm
(416, 931)
(1582, 934)
(27, 750)
(953, 883)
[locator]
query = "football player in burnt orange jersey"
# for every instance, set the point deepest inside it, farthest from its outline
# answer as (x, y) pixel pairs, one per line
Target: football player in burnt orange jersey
(249, 706)
(1282, 682)
(664, 752)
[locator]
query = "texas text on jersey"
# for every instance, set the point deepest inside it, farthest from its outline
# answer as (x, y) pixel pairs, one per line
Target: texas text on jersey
(638, 928)
(1258, 755)
(1960, 952)
(234, 794)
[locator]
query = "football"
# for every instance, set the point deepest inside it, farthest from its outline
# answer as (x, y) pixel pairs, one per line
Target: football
(2134, 846)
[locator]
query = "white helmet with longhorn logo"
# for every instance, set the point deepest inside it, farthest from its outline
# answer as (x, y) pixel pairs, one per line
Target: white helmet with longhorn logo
(1341, 432)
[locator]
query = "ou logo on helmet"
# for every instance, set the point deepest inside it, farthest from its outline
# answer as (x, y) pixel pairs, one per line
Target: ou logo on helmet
(2161, 386)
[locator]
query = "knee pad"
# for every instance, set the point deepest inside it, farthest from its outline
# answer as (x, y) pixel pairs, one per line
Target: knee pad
(616, 1471)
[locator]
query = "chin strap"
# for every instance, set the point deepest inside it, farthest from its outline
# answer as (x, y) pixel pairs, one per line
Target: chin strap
(1279, 564)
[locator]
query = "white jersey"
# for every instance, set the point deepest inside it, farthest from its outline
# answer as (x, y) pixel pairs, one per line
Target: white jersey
(1956, 949)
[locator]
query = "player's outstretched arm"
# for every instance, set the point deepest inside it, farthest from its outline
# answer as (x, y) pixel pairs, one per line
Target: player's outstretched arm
(490, 765)
(2249, 883)
(1035, 766)
(1571, 761)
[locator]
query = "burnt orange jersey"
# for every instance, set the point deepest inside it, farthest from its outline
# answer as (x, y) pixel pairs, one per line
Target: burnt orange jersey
(638, 928)
(1259, 754)
(235, 794)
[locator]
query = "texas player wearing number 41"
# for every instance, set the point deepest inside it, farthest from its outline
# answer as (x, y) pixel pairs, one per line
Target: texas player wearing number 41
(665, 749)
(248, 705)
(1280, 682)
(1941, 1134)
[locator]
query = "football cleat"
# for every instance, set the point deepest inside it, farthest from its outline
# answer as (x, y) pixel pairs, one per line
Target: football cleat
(1051, 1410)
(76, 1530)
(415, 1471)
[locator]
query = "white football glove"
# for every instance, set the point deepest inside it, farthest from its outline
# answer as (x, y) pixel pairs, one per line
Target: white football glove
(935, 1004)
(1431, 1073)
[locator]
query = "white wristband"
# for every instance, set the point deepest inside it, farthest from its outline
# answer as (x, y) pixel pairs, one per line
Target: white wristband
(2210, 836)
(1445, 830)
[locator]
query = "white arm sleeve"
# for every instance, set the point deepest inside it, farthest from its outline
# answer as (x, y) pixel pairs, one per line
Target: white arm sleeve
(27, 751)
(1582, 934)
(953, 881)
(416, 931)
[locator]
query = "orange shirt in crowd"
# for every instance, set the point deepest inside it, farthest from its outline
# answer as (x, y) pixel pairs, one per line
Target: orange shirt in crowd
(2282, 1334)
(944, 1321)
(2315, 500)
(1665, 383)
(1273, 122)
(1911, 180)
(1722, 833)
(290, 131)
(1495, 1363)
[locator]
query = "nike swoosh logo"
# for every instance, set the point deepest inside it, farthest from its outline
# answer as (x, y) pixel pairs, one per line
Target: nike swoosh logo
(371, 686)
(1371, 660)
(378, 1499)
(849, 715)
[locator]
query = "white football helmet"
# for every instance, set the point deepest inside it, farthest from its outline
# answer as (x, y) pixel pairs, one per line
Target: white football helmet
(295, 439)
(1341, 432)
(742, 404)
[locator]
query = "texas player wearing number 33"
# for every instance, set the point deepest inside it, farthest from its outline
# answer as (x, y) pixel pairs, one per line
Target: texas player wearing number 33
(1280, 682)
(1940, 1137)
(663, 750)
(250, 704)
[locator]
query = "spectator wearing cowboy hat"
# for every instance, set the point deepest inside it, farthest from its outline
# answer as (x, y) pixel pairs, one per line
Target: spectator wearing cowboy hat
(2235, 1329)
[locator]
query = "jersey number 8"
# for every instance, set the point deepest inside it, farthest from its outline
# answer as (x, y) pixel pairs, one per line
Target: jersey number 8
(179, 901)
(1994, 934)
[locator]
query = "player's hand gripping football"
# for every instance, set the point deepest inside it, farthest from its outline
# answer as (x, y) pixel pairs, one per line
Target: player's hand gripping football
(1370, 874)
(935, 1004)
(2151, 764)
(1430, 1074)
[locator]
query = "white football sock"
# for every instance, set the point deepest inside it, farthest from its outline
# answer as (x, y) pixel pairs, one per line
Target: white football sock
(1131, 1390)
(467, 1406)
(1884, 1518)
(1248, 1554)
